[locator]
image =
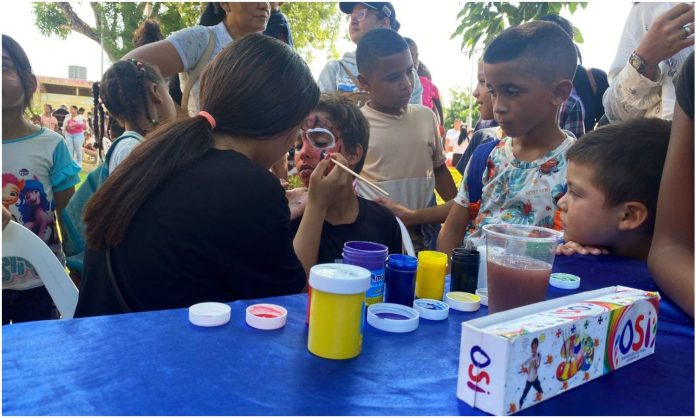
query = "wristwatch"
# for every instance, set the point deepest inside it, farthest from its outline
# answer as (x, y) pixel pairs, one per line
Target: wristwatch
(637, 62)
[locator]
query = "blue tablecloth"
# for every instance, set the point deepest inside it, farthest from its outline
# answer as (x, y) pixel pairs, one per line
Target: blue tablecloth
(157, 363)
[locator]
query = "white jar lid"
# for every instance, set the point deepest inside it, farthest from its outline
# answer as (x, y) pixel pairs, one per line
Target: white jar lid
(266, 316)
(463, 301)
(483, 294)
(431, 309)
(209, 314)
(392, 317)
(344, 279)
(564, 281)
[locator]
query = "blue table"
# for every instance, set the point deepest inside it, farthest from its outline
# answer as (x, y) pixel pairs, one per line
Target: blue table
(157, 363)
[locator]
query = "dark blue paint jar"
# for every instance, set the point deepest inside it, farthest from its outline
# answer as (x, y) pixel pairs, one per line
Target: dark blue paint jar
(400, 278)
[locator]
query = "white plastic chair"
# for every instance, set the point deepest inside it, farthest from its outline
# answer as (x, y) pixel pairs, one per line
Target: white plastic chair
(18, 241)
(406, 239)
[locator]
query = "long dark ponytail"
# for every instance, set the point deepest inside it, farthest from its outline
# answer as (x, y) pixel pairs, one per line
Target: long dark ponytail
(256, 88)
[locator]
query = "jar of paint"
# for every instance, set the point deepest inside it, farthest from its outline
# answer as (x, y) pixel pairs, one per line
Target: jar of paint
(373, 257)
(465, 270)
(430, 276)
(337, 310)
(400, 279)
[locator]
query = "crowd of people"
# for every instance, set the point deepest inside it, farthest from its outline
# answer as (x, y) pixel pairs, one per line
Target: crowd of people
(191, 201)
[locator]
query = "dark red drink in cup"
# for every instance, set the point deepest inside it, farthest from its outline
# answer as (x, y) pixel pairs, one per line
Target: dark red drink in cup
(519, 260)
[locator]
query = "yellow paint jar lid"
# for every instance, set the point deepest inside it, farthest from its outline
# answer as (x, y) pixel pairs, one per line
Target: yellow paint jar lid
(463, 301)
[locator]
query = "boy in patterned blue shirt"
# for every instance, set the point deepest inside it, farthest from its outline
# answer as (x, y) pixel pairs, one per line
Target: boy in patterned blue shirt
(529, 71)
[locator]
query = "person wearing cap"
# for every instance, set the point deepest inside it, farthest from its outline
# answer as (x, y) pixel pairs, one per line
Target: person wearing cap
(364, 17)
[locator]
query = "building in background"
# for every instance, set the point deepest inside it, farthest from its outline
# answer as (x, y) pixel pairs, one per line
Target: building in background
(70, 91)
(77, 72)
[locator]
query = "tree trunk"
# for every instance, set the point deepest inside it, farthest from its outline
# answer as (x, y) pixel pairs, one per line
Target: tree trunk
(78, 25)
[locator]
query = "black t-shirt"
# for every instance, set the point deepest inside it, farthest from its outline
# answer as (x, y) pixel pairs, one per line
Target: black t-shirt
(591, 101)
(374, 223)
(217, 231)
(684, 86)
(60, 115)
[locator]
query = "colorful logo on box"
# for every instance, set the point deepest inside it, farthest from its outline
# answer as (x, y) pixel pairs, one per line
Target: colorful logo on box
(577, 354)
(631, 333)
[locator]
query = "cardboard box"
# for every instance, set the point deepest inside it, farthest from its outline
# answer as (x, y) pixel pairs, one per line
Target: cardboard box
(514, 359)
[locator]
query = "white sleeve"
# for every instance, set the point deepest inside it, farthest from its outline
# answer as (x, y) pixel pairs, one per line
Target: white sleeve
(417, 95)
(190, 44)
(630, 94)
(327, 77)
(121, 152)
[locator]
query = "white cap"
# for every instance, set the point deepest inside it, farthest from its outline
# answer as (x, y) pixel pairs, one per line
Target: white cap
(343, 279)
(483, 294)
(463, 301)
(266, 316)
(209, 314)
(431, 309)
(564, 281)
(392, 317)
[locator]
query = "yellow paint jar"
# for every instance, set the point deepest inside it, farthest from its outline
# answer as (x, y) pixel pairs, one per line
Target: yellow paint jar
(430, 275)
(337, 309)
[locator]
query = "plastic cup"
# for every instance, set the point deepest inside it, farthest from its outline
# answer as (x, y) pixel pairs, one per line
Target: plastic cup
(518, 264)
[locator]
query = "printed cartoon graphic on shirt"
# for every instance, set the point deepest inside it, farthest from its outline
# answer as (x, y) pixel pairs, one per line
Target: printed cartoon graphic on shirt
(11, 186)
(28, 202)
(35, 208)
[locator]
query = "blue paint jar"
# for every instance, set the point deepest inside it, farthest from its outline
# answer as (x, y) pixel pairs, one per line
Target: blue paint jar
(400, 278)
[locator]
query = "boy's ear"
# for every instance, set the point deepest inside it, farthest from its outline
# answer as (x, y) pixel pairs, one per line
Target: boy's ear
(355, 156)
(633, 215)
(562, 91)
(364, 84)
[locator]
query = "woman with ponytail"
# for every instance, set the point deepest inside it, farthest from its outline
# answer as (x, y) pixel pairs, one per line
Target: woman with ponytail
(194, 214)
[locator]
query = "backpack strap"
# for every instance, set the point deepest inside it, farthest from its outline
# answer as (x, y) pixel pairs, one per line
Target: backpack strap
(350, 74)
(107, 157)
(477, 166)
(196, 71)
(121, 302)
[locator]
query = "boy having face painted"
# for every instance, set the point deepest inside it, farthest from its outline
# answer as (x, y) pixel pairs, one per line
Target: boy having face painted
(337, 127)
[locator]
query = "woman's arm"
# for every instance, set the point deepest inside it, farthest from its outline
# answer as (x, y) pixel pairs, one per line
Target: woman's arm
(671, 259)
(162, 54)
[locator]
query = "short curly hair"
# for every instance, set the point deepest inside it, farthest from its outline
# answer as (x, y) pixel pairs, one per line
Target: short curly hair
(349, 120)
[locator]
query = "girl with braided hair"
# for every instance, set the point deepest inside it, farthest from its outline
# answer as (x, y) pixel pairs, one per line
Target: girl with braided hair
(136, 96)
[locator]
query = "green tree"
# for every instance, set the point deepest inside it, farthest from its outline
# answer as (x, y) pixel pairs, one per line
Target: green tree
(458, 108)
(314, 25)
(481, 22)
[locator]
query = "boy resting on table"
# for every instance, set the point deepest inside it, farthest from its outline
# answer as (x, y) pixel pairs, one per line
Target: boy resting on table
(613, 178)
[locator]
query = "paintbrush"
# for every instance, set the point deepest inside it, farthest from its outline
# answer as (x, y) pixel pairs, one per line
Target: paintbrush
(368, 182)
